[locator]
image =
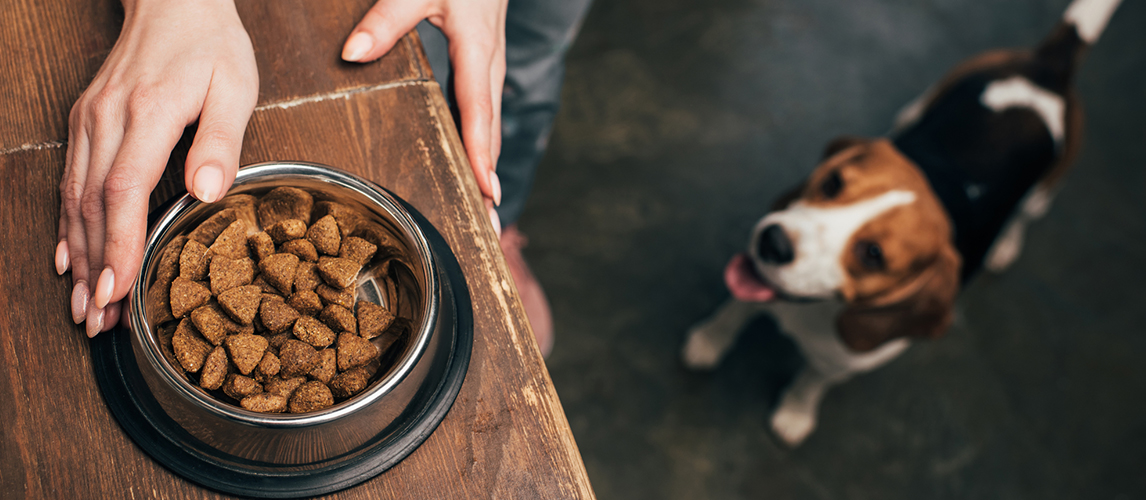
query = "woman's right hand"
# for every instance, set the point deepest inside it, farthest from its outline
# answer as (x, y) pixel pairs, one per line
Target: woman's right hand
(175, 62)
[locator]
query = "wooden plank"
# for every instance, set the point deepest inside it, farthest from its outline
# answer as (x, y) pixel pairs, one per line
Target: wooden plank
(53, 49)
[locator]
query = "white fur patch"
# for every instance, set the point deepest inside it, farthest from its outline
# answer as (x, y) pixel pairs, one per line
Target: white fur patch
(820, 236)
(1018, 92)
(1090, 17)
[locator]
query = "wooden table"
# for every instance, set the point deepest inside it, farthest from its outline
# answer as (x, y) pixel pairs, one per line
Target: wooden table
(506, 435)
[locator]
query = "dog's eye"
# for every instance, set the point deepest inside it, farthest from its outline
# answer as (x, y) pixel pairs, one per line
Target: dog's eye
(870, 255)
(832, 185)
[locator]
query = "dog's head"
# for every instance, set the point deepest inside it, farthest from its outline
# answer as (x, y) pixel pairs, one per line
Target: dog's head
(865, 228)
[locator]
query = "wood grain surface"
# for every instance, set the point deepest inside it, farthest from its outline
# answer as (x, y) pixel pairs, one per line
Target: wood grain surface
(506, 435)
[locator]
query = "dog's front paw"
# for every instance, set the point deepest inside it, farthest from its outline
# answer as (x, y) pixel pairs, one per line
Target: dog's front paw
(699, 353)
(792, 425)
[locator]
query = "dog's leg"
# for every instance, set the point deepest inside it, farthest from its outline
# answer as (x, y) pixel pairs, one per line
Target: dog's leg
(795, 417)
(1010, 243)
(709, 340)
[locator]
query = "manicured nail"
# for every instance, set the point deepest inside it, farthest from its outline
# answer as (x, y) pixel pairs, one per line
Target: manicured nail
(495, 183)
(79, 301)
(95, 322)
(208, 183)
(357, 46)
(495, 220)
(104, 287)
(62, 258)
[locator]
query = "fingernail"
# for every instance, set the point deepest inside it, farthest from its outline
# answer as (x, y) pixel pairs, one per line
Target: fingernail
(79, 302)
(104, 287)
(95, 322)
(62, 258)
(495, 183)
(495, 220)
(208, 183)
(357, 46)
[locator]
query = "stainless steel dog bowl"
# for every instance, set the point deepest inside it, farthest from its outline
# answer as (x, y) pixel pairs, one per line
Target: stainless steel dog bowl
(228, 448)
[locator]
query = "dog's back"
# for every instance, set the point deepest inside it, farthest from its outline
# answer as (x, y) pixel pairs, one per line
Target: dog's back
(1000, 124)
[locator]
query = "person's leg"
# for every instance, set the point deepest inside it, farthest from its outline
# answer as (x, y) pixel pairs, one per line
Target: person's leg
(538, 33)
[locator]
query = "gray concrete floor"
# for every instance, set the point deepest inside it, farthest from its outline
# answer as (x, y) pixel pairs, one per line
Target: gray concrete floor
(683, 120)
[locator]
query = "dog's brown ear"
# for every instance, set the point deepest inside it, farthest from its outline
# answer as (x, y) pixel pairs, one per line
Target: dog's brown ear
(841, 143)
(920, 308)
(788, 197)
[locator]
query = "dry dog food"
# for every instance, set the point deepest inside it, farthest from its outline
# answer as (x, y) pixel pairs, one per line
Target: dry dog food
(258, 303)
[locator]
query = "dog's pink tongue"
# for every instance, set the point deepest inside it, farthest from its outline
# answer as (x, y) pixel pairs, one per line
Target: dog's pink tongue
(744, 283)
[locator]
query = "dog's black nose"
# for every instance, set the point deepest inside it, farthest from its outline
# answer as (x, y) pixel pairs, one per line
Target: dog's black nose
(773, 246)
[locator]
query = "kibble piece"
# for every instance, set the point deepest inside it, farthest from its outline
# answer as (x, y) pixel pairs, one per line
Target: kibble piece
(324, 235)
(241, 303)
(284, 231)
(214, 370)
(187, 295)
(239, 386)
(349, 383)
(277, 340)
(168, 267)
(210, 229)
(189, 347)
(165, 334)
(354, 351)
(306, 277)
(279, 270)
(325, 369)
(357, 250)
(339, 318)
(277, 315)
(305, 302)
(227, 273)
(193, 261)
(264, 402)
(301, 248)
(284, 386)
(388, 245)
(338, 272)
(158, 303)
(330, 295)
(215, 326)
(313, 332)
(311, 396)
(261, 244)
(284, 203)
(373, 319)
(268, 367)
(246, 351)
(297, 357)
(232, 242)
(265, 287)
(346, 217)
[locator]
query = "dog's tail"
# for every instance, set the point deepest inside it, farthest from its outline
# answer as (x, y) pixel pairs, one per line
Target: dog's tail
(1059, 54)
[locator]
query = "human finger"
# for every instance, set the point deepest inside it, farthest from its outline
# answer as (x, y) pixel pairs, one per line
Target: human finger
(71, 194)
(213, 159)
(472, 55)
(137, 168)
(382, 26)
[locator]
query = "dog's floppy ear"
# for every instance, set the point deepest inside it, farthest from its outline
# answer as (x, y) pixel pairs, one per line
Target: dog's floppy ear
(841, 143)
(788, 197)
(919, 308)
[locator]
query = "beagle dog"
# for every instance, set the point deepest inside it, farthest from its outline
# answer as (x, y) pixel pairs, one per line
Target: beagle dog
(871, 251)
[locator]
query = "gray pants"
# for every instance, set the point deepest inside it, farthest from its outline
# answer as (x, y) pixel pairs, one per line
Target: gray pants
(538, 33)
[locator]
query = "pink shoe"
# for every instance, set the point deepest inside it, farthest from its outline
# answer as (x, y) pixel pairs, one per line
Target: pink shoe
(532, 296)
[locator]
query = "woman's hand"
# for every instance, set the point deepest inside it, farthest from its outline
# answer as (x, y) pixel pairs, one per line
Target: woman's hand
(176, 62)
(476, 32)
